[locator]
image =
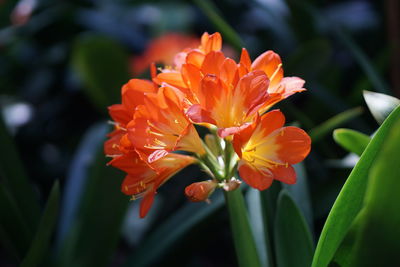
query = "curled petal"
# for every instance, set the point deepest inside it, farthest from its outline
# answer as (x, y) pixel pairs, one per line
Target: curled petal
(211, 42)
(271, 64)
(173, 78)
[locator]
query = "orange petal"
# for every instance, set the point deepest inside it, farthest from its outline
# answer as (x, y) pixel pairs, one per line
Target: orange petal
(212, 92)
(146, 203)
(173, 78)
(156, 155)
(212, 63)
(270, 63)
(229, 72)
(295, 144)
(250, 93)
(195, 58)
(254, 177)
(138, 85)
(241, 138)
(199, 115)
(288, 86)
(284, 174)
(120, 114)
(111, 146)
(225, 132)
(211, 42)
(245, 59)
(271, 121)
(189, 140)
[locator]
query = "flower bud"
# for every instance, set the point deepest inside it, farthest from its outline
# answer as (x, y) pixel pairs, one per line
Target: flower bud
(200, 191)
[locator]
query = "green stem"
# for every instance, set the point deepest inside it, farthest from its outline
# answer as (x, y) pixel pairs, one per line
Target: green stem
(227, 159)
(242, 235)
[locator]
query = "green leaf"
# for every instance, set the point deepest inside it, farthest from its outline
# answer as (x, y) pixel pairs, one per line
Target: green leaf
(103, 66)
(293, 241)
(15, 181)
(360, 57)
(300, 193)
(318, 132)
(377, 241)
(41, 241)
(269, 199)
(351, 140)
(228, 33)
(380, 105)
(342, 213)
(78, 176)
(15, 231)
(254, 205)
(246, 251)
(95, 231)
(166, 235)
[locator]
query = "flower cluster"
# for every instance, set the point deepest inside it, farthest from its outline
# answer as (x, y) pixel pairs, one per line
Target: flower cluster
(156, 121)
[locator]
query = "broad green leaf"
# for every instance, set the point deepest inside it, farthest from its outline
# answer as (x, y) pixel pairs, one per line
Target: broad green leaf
(95, 232)
(78, 175)
(342, 213)
(245, 247)
(15, 231)
(14, 180)
(377, 241)
(269, 199)
(300, 193)
(165, 236)
(318, 132)
(41, 241)
(254, 206)
(351, 140)
(102, 64)
(380, 105)
(293, 241)
(228, 33)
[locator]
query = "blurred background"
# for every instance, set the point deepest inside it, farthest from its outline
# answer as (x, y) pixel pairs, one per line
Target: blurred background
(63, 62)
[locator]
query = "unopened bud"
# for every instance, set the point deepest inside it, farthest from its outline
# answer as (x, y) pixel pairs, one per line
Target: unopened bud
(200, 191)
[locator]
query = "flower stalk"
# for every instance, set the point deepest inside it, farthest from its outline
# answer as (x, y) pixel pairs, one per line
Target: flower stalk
(243, 238)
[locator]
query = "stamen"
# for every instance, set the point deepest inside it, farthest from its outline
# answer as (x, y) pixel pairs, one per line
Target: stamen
(275, 72)
(117, 125)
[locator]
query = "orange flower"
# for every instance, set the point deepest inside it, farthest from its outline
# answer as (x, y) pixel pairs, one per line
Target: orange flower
(267, 150)
(195, 57)
(131, 94)
(198, 64)
(280, 87)
(200, 191)
(165, 49)
(143, 179)
(160, 126)
(229, 105)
